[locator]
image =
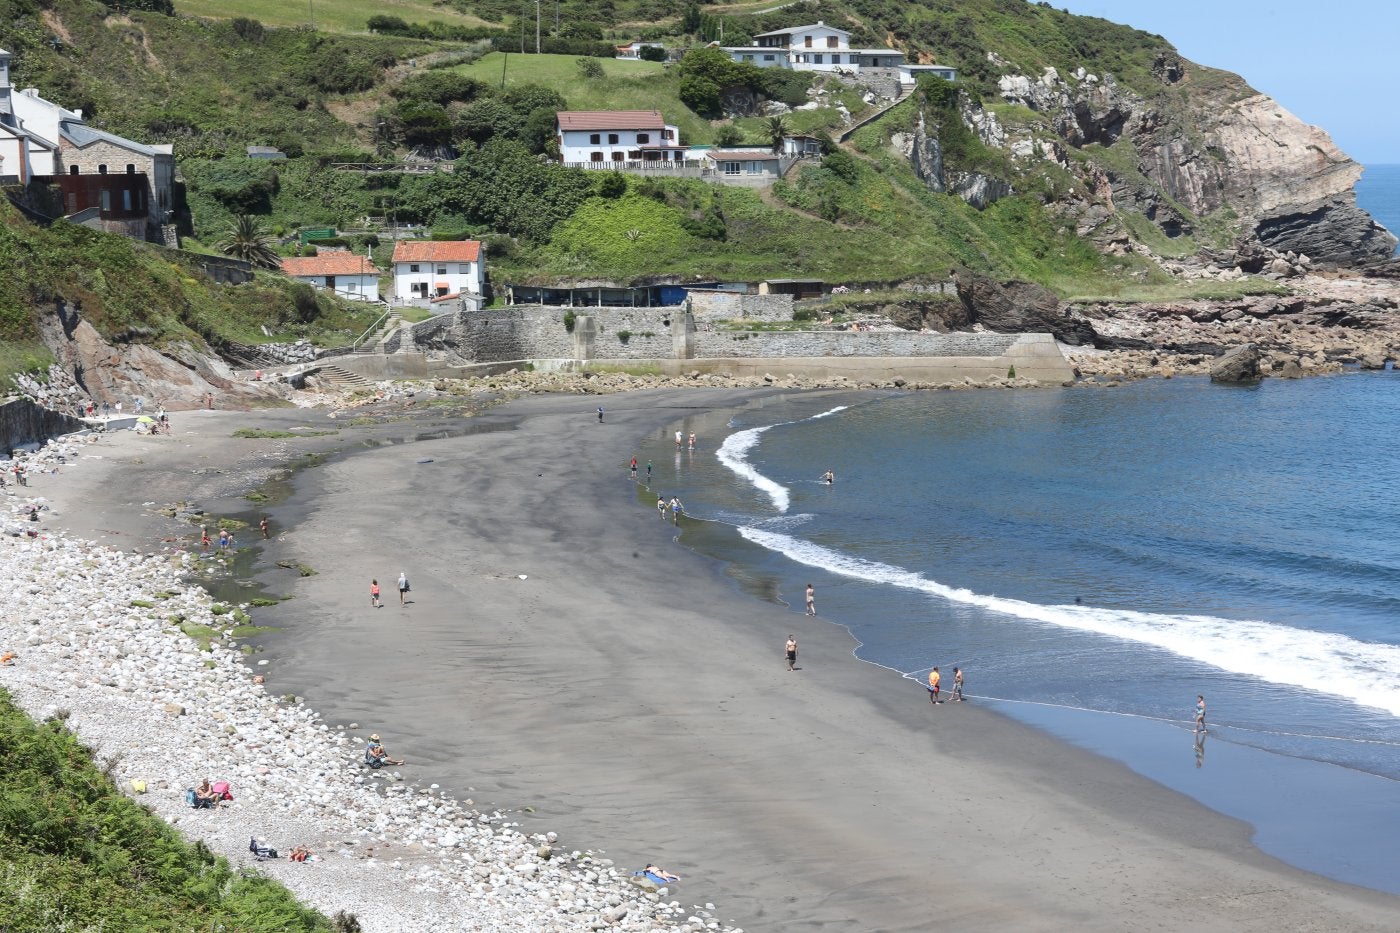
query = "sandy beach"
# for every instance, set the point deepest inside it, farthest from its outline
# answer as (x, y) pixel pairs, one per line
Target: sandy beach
(627, 696)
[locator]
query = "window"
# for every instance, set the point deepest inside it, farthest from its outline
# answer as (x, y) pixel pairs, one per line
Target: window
(769, 58)
(831, 42)
(102, 170)
(595, 138)
(730, 168)
(807, 42)
(753, 168)
(413, 267)
(634, 155)
(130, 169)
(442, 270)
(668, 134)
(612, 139)
(126, 200)
(747, 57)
(72, 170)
(617, 157)
(350, 286)
(643, 138)
(817, 59)
(595, 157)
(106, 201)
(330, 282)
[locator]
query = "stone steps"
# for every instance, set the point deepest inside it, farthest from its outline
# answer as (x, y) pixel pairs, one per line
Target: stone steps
(343, 378)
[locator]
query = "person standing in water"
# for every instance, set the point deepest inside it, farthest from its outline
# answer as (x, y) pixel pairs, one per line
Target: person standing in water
(1200, 713)
(648, 471)
(957, 684)
(692, 440)
(828, 477)
(634, 468)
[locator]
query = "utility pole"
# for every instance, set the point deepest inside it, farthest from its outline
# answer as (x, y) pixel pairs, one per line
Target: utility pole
(311, 11)
(556, 17)
(537, 27)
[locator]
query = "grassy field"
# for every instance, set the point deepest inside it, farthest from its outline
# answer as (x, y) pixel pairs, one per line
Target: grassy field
(625, 85)
(343, 16)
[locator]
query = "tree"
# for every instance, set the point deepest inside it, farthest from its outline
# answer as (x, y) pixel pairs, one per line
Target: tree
(589, 68)
(690, 23)
(728, 135)
(775, 128)
(700, 95)
(423, 124)
(247, 240)
(651, 53)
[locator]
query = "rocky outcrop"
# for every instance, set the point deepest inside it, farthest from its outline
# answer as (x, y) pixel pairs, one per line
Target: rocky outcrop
(176, 375)
(925, 154)
(1218, 146)
(1238, 365)
(1021, 308)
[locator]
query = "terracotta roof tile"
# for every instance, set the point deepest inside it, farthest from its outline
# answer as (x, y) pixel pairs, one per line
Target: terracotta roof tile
(329, 264)
(437, 251)
(610, 120)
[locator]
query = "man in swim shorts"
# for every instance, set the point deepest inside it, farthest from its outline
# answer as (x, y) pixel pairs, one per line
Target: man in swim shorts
(957, 684)
(792, 652)
(933, 679)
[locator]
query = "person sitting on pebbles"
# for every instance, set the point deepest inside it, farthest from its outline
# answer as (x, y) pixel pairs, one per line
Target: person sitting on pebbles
(377, 752)
(299, 853)
(204, 795)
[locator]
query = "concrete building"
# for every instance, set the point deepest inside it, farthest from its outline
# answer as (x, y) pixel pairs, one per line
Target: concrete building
(350, 276)
(817, 47)
(595, 138)
(747, 166)
(41, 141)
(425, 270)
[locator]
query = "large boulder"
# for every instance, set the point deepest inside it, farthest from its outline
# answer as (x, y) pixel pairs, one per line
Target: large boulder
(1021, 308)
(1238, 365)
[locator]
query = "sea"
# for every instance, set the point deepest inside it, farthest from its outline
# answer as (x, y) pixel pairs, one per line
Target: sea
(1378, 192)
(1095, 559)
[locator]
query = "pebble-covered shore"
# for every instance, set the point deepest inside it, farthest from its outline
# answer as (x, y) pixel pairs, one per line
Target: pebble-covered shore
(97, 643)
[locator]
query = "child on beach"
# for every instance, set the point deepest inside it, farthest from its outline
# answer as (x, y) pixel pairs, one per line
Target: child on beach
(374, 594)
(1200, 713)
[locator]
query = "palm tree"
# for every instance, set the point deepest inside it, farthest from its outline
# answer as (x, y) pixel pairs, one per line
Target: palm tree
(775, 128)
(247, 240)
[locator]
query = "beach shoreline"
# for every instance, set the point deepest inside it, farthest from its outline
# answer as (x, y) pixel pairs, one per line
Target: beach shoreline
(629, 695)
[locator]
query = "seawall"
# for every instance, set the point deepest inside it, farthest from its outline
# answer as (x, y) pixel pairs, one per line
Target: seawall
(24, 422)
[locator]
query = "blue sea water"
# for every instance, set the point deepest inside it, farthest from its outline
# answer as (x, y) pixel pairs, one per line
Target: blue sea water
(1378, 193)
(1094, 559)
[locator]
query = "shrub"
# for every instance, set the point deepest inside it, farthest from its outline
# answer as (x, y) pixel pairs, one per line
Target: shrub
(728, 135)
(590, 68)
(611, 185)
(249, 30)
(570, 318)
(700, 95)
(652, 53)
(624, 335)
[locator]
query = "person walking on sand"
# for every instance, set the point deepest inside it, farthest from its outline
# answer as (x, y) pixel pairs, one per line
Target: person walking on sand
(792, 652)
(634, 469)
(933, 685)
(374, 595)
(1200, 713)
(263, 525)
(957, 684)
(403, 588)
(600, 414)
(811, 600)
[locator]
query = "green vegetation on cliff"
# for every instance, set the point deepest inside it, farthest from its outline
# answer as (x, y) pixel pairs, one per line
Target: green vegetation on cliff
(75, 854)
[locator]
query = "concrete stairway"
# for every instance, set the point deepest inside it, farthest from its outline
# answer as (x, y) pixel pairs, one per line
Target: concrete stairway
(342, 378)
(375, 342)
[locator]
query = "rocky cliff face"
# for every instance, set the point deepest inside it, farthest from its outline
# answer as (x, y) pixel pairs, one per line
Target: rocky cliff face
(1201, 145)
(176, 376)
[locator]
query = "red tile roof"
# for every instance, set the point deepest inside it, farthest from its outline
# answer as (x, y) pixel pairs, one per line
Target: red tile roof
(610, 120)
(437, 251)
(329, 264)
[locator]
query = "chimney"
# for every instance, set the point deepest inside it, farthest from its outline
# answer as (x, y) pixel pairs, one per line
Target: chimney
(821, 23)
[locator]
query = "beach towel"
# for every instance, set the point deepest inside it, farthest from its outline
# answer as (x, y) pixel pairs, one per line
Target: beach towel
(222, 789)
(653, 876)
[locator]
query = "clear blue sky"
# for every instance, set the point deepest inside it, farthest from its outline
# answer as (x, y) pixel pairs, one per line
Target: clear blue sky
(1332, 63)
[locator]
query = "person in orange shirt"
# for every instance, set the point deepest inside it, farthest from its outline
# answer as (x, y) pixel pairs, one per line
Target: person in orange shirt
(933, 678)
(374, 594)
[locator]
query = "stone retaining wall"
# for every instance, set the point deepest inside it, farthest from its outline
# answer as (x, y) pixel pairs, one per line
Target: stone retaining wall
(23, 422)
(717, 305)
(822, 343)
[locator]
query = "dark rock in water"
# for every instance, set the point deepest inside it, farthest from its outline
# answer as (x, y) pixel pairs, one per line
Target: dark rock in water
(1289, 370)
(1238, 365)
(1021, 308)
(1332, 230)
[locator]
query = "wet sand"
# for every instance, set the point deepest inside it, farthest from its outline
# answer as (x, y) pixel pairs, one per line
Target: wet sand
(636, 702)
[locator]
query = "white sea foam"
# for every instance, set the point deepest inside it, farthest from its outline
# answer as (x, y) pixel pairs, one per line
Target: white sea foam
(733, 453)
(1366, 673)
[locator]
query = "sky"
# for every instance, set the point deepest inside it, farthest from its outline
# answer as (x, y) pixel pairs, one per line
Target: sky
(1331, 63)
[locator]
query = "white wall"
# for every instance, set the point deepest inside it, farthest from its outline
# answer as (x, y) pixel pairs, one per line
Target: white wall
(577, 145)
(460, 277)
(363, 287)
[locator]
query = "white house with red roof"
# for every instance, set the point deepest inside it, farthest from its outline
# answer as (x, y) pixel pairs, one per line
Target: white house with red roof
(429, 270)
(601, 138)
(348, 275)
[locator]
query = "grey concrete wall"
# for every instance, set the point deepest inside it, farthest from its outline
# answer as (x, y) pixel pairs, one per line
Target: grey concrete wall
(823, 343)
(716, 305)
(24, 422)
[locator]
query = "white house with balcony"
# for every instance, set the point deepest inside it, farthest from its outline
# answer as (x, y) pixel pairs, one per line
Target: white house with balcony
(817, 47)
(427, 270)
(603, 138)
(355, 278)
